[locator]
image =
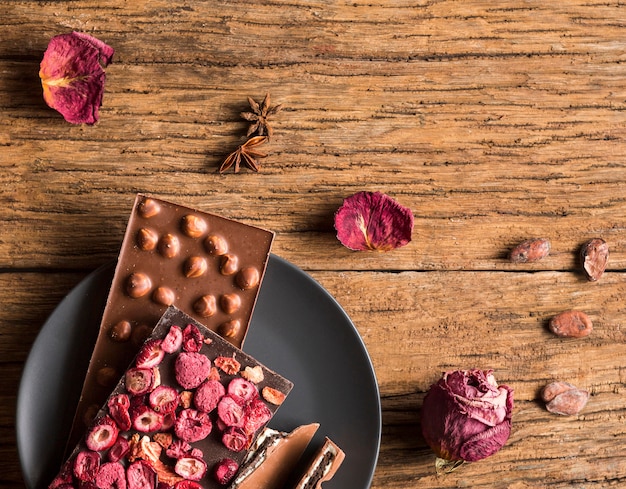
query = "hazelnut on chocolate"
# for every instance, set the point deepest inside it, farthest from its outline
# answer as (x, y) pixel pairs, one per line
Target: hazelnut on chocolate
(216, 245)
(247, 278)
(195, 266)
(229, 264)
(107, 377)
(147, 239)
(138, 284)
(229, 329)
(193, 226)
(120, 331)
(169, 246)
(230, 303)
(148, 208)
(205, 306)
(164, 295)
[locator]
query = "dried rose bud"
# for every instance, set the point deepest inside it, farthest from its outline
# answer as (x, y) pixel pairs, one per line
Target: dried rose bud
(373, 221)
(72, 76)
(466, 417)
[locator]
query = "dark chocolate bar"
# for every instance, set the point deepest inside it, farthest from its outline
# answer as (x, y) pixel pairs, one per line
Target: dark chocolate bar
(208, 266)
(185, 413)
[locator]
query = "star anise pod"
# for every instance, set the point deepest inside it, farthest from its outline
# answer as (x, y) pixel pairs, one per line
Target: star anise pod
(246, 154)
(261, 112)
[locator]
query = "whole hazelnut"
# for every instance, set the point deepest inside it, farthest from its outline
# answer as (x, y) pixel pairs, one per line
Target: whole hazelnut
(164, 296)
(120, 331)
(193, 226)
(195, 266)
(148, 208)
(205, 306)
(229, 329)
(215, 245)
(138, 284)
(247, 278)
(169, 246)
(146, 239)
(107, 376)
(229, 264)
(230, 303)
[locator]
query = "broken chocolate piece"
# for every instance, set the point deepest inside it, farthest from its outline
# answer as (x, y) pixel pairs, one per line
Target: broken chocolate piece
(195, 437)
(273, 457)
(150, 277)
(323, 467)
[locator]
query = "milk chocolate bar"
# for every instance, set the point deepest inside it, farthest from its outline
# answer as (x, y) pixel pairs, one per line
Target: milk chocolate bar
(208, 266)
(273, 457)
(323, 467)
(185, 413)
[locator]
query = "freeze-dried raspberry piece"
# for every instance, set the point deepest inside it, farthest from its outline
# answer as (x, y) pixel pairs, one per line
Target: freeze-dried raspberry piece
(225, 470)
(139, 381)
(192, 425)
(197, 453)
(173, 339)
(150, 355)
(163, 399)
(230, 412)
(208, 395)
(256, 414)
(111, 476)
(64, 477)
(118, 406)
(273, 395)
(190, 468)
(86, 465)
(146, 419)
(253, 374)
(214, 374)
(242, 389)
(235, 439)
(178, 449)
(187, 485)
(168, 421)
(191, 369)
(119, 449)
(141, 475)
(228, 364)
(192, 338)
(102, 434)
(163, 439)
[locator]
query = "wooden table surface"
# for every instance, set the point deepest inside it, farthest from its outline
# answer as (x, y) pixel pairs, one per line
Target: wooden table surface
(494, 121)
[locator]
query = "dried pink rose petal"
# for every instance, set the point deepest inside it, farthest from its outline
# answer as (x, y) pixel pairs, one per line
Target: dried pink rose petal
(72, 75)
(373, 221)
(466, 416)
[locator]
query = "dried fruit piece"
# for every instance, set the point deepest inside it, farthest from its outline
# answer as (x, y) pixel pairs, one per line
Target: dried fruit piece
(86, 465)
(111, 475)
(139, 381)
(571, 324)
(594, 255)
(118, 406)
(146, 420)
(192, 425)
(253, 374)
(235, 439)
(208, 395)
(185, 484)
(163, 399)
(273, 395)
(373, 221)
(150, 355)
(72, 76)
(102, 434)
(242, 389)
(191, 468)
(228, 365)
(230, 411)
(178, 449)
(192, 339)
(173, 340)
(530, 251)
(191, 369)
(141, 475)
(256, 414)
(225, 470)
(119, 449)
(564, 398)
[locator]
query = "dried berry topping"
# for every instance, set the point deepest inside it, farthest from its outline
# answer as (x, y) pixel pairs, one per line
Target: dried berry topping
(102, 434)
(111, 475)
(225, 470)
(235, 439)
(118, 406)
(253, 374)
(185, 484)
(191, 369)
(86, 465)
(163, 399)
(230, 411)
(173, 340)
(256, 414)
(150, 355)
(146, 420)
(119, 450)
(208, 395)
(192, 425)
(141, 475)
(191, 468)
(192, 338)
(242, 389)
(178, 449)
(139, 381)
(273, 396)
(373, 221)
(228, 365)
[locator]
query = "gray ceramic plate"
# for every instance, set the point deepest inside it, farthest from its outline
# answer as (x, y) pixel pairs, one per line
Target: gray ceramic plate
(298, 330)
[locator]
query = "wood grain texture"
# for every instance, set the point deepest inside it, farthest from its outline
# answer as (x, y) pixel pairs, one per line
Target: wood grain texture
(493, 121)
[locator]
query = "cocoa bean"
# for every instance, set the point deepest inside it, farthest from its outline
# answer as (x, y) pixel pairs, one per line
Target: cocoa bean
(594, 255)
(531, 250)
(564, 398)
(571, 324)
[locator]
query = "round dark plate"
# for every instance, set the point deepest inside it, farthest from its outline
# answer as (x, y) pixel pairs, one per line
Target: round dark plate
(298, 330)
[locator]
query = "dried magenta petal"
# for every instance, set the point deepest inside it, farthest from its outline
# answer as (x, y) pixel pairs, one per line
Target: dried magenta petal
(373, 221)
(72, 75)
